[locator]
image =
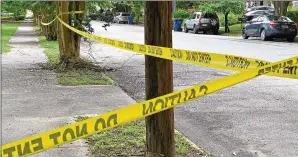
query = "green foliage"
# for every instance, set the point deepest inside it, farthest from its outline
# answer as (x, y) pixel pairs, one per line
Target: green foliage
(18, 8)
(225, 7)
(93, 6)
(187, 4)
(235, 6)
(180, 14)
(137, 7)
(121, 6)
(233, 19)
(293, 15)
(8, 30)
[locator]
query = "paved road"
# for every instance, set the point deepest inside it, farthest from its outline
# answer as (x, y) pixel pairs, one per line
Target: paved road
(272, 51)
(255, 118)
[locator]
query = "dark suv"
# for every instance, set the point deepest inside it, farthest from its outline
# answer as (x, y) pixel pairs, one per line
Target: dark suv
(202, 22)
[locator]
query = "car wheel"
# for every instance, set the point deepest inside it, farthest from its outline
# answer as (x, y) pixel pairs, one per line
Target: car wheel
(215, 31)
(244, 36)
(291, 39)
(185, 29)
(263, 35)
(195, 29)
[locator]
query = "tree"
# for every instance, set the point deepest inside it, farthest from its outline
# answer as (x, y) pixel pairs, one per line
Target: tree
(45, 11)
(92, 6)
(159, 78)
(281, 7)
(18, 8)
(69, 41)
(121, 6)
(225, 7)
(187, 4)
(136, 7)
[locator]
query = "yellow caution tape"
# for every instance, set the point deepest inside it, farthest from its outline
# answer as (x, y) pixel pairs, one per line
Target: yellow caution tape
(109, 120)
(214, 60)
(221, 61)
(56, 137)
(72, 12)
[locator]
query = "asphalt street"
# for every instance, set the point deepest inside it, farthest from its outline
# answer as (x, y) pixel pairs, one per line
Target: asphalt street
(254, 118)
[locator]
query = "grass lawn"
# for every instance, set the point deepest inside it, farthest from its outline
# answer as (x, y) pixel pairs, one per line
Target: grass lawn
(235, 30)
(7, 31)
(86, 74)
(129, 140)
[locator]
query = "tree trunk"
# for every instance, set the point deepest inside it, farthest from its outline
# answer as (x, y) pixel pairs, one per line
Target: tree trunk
(137, 18)
(281, 7)
(227, 29)
(284, 8)
(69, 41)
(159, 78)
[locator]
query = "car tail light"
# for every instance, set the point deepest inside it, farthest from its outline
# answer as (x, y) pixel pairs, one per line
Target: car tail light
(273, 24)
(294, 25)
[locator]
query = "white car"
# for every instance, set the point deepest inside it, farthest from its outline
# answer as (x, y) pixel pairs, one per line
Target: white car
(121, 17)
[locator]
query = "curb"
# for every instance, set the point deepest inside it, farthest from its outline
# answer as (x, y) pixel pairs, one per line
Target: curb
(193, 145)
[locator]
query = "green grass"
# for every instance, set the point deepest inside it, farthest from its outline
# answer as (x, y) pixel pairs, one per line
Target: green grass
(51, 50)
(129, 140)
(83, 74)
(83, 77)
(8, 30)
(235, 30)
(182, 25)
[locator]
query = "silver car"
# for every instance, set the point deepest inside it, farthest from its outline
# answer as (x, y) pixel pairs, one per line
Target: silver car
(121, 17)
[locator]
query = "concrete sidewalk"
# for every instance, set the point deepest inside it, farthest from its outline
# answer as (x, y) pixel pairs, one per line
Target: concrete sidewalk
(32, 102)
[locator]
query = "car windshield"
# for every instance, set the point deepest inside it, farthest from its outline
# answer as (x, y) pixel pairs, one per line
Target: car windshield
(125, 14)
(279, 18)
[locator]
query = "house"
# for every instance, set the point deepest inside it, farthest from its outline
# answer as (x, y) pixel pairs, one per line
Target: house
(295, 4)
(251, 3)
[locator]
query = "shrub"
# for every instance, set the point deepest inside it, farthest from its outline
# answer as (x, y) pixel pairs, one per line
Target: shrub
(19, 18)
(93, 16)
(180, 14)
(232, 19)
(293, 15)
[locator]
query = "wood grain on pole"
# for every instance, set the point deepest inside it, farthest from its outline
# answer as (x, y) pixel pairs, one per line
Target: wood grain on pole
(159, 78)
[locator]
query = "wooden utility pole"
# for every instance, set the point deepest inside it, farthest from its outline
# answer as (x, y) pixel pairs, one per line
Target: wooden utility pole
(159, 78)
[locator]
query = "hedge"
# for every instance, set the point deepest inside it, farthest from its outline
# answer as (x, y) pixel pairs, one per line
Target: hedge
(293, 15)
(232, 19)
(181, 14)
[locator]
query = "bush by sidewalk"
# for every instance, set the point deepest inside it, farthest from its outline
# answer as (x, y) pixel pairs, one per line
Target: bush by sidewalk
(293, 14)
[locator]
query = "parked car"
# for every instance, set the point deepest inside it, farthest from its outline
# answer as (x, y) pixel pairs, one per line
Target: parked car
(121, 17)
(269, 27)
(268, 8)
(256, 13)
(205, 22)
(5, 13)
